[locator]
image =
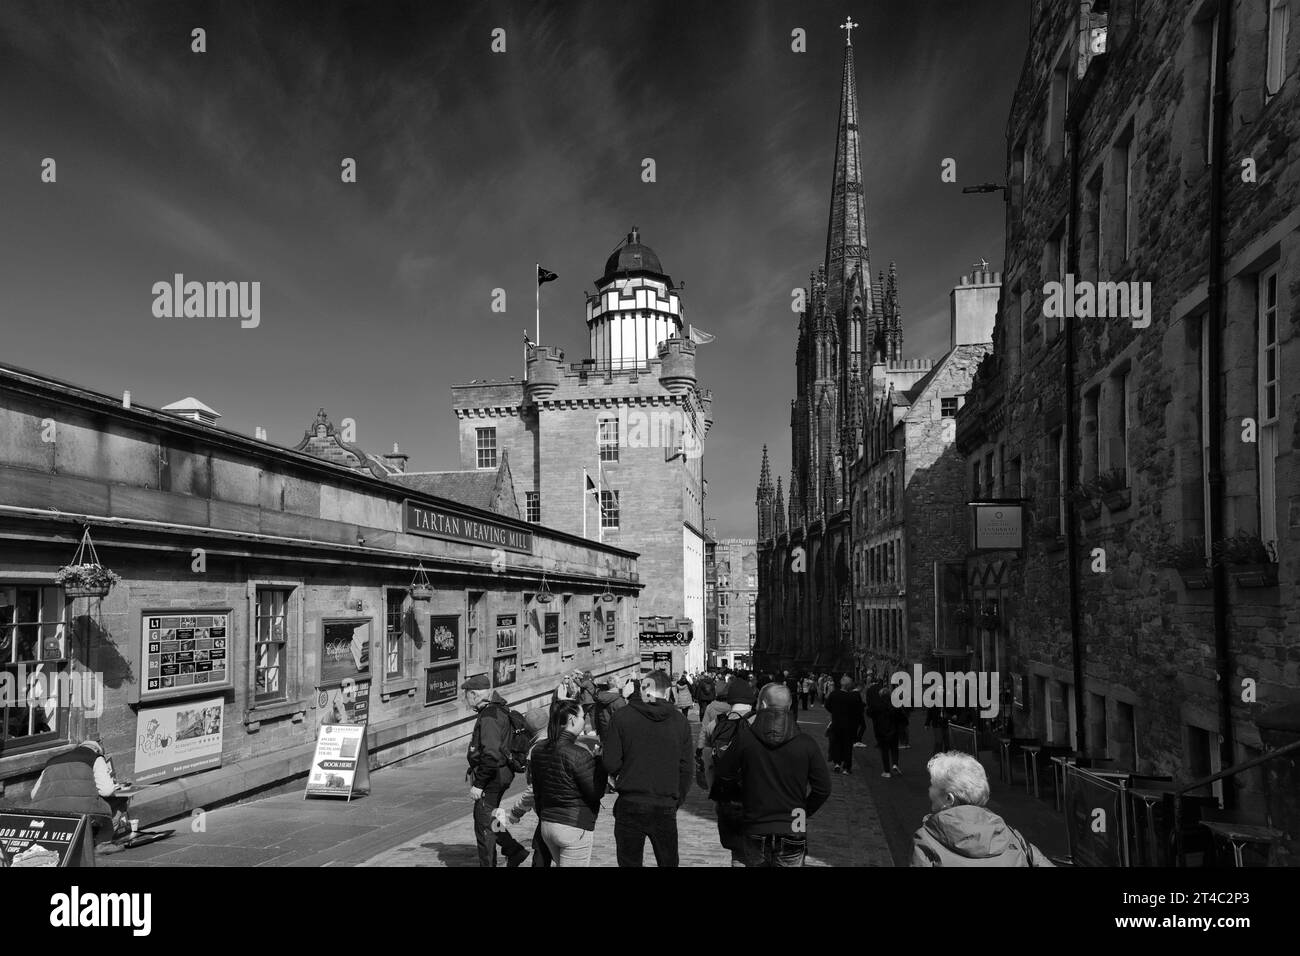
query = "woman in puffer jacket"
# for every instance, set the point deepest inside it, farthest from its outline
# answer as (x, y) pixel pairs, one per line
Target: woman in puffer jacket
(961, 831)
(568, 783)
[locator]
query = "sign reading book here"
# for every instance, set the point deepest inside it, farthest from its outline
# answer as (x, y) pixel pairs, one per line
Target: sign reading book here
(341, 765)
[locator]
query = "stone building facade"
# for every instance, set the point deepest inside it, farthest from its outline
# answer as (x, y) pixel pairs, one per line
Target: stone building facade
(271, 591)
(1149, 143)
(736, 567)
(612, 447)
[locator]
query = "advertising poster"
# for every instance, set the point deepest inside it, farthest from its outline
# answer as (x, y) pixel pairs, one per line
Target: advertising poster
(584, 628)
(611, 627)
(345, 651)
(444, 645)
(551, 633)
(181, 650)
(38, 838)
(507, 632)
(173, 740)
(337, 768)
(440, 684)
(505, 670)
(348, 703)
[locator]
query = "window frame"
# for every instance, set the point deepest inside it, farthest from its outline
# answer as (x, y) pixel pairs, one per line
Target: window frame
(533, 507)
(481, 448)
(1267, 439)
(610, 510)
(1275, 65)
(607, 445)
(295, 629)
(408, 680)
(256, 642)
(62, 733)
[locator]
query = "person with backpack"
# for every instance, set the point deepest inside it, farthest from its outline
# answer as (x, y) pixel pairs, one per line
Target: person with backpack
(498, 749)
(536, 721)
(648, 750)
(725, 791)
(959, 830)
(609, 700)
(568, 782)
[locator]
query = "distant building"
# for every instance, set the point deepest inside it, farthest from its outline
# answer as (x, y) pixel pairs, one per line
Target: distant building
(612, 447)
(736, 562)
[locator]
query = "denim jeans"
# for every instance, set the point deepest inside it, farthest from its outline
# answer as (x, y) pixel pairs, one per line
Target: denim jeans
(569, 846)
(774, 849)
(634, 822)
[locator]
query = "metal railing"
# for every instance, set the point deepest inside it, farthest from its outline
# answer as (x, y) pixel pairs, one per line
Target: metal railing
(1179, 856)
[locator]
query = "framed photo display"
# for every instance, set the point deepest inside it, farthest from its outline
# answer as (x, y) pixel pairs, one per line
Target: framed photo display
(444, 640)
(505, 670)
(584, 628)
(184, 652)
(507, 633)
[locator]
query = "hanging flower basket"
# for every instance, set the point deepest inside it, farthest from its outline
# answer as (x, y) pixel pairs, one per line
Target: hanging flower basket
(85, 577)
(421, 587)
(544, 595)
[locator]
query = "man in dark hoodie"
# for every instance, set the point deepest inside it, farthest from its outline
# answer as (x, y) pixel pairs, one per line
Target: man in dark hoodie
(648, 748)
(784, 780)
(488, 769)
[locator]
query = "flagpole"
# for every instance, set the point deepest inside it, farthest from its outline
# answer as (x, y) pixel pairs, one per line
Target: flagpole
(584, 503)
(537, 273)
(600, 496)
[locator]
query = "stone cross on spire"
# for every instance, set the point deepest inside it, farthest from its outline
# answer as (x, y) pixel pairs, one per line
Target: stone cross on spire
(847, 26)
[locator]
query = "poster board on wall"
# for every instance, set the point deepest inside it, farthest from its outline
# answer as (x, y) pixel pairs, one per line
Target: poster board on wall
(444, 638)
(179, 738)
(440, 684)
(345, 651)
(183, 652)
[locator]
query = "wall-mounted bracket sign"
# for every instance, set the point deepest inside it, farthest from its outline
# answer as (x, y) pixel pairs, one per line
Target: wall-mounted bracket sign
(452, 526)
(997, 526)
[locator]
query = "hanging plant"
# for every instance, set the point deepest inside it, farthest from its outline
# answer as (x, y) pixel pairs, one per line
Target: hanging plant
(85, 576)
(421, 587)
(544, 596)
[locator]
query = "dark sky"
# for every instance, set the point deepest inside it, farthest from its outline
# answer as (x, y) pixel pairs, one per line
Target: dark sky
(473, 166)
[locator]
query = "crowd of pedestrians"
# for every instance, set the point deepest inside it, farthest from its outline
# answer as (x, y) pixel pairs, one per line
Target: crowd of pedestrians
(766, 777)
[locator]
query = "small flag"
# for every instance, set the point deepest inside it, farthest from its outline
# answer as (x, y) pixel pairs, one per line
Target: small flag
(545, 275)
(591, 485)
(527, 339)
(700, 337)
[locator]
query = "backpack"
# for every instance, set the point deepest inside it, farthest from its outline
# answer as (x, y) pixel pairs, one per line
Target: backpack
(516, 741)
(707, 692)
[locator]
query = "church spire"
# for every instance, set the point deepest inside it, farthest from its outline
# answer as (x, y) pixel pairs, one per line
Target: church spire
(765, 473)
(846, 233)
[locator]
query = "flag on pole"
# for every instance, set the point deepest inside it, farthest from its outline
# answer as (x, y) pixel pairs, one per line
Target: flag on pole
(591, 485)
(700, 337)
(528, 339)
(545, 275)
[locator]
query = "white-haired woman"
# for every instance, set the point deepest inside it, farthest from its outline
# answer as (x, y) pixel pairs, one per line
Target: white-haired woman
(960, 830)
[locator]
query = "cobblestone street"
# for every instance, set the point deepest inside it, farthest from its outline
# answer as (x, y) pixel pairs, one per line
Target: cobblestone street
(845, 832)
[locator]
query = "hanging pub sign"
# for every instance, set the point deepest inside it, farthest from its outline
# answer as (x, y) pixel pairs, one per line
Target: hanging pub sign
(997, 526)
(444, 645)
(183, 652)
(431, 522)
(507, 632)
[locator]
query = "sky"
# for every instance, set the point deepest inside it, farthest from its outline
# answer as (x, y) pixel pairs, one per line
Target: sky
(473, 166)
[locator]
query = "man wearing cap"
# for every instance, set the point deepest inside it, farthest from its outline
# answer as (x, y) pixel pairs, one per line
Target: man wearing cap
(536, 721)
(489, 771)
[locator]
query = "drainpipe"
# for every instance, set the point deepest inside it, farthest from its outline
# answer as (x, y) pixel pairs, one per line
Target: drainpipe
(1214, 399)
(1071, 429)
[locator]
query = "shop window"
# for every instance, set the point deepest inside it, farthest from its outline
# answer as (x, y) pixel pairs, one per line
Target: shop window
(345, 652)
(486, 447)
(35, 691)
(474, 644)
(270, 647)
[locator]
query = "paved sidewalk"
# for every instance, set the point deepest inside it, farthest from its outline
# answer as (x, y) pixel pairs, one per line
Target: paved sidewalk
(845, 832)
